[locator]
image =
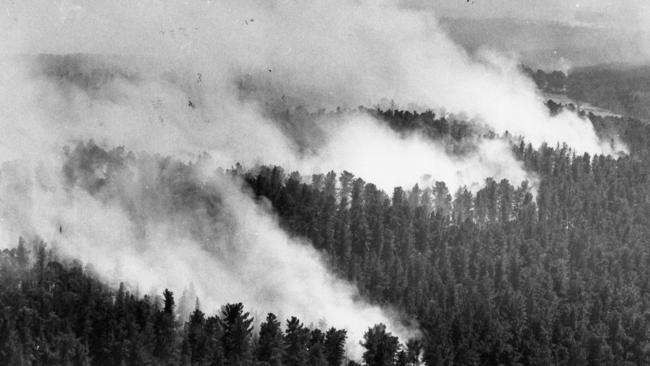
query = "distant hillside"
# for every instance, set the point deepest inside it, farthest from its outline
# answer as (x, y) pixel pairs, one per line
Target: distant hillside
(618, 88)
(549, 45)
(623, 89)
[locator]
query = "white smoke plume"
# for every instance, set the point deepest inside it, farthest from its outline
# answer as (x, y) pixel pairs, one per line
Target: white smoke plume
(337, 52)
(162, 225)
(173, 54)
(247, 257)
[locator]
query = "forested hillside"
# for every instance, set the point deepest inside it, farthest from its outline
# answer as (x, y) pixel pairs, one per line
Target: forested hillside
(55, 313)
(323, 183)
(623, 89)
(620, 88)
(557, 274)
(549, 272)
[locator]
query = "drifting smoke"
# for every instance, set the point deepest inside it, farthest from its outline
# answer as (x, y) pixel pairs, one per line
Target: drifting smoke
(337, 52)
(167, 224)
(173, 91)
(79, 98)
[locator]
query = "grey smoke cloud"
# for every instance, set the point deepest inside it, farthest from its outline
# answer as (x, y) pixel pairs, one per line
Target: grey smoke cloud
(149, 111)
(346, 52)
(142, 227)
(130, 234)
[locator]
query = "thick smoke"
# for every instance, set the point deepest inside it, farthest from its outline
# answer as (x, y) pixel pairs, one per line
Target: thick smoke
(174, 90)
(337, 52)
(76, 98)
(163, 224)
(131, 233)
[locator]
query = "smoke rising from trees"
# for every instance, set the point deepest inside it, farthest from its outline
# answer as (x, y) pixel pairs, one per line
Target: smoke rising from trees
(173, 91)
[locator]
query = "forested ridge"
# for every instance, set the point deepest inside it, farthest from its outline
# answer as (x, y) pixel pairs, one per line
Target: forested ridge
(505, 275)
(548, 272)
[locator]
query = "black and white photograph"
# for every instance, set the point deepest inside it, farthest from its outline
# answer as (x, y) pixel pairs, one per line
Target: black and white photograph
(324, 182)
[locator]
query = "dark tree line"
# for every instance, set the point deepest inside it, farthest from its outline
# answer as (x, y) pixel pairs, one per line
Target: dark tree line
(624, 89)
(54, 313)
(305, 127)
(552, 81)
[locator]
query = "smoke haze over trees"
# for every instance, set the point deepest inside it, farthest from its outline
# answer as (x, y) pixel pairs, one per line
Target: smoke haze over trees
(308, 183)
(493, 276)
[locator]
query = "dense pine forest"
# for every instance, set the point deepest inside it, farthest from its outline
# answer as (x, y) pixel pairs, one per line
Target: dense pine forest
(555, 271)
(512, 275)
(325, 183)
(54, 313)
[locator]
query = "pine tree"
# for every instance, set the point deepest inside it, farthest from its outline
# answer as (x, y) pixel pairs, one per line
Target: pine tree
(381, 346)
(270, 348)
(236, 338)
(195, 337)
(317, 348)
(296, 343)
(164, 330)
(335, 346)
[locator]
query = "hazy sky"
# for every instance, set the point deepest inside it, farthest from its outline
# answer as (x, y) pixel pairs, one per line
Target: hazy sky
(617, 13)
